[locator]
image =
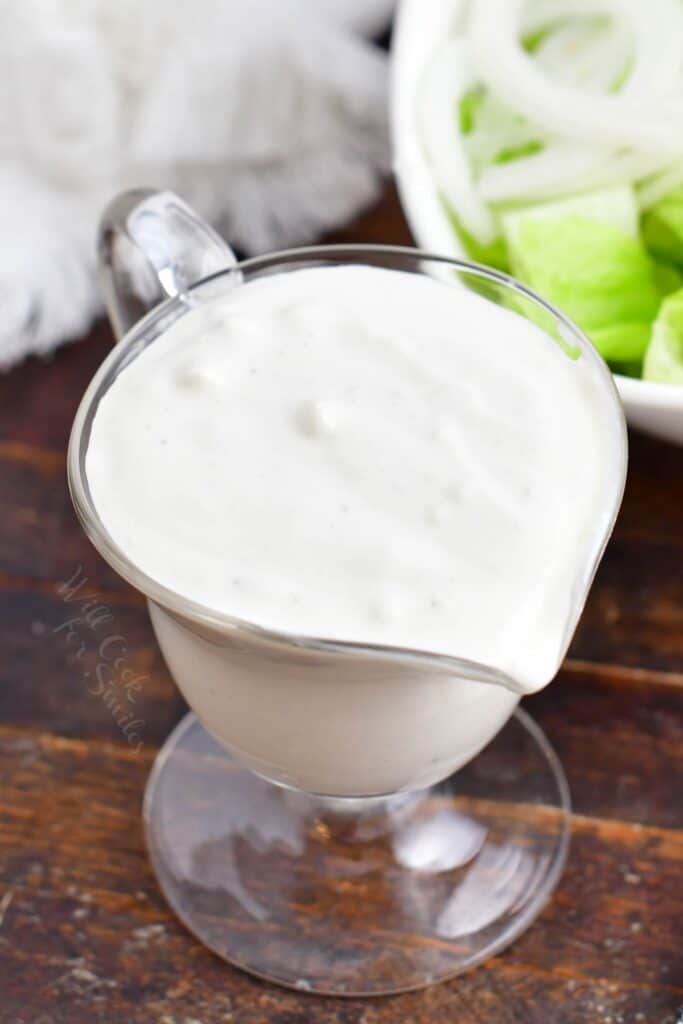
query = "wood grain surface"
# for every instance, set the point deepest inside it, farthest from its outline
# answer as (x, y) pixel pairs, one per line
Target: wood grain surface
(85, 934)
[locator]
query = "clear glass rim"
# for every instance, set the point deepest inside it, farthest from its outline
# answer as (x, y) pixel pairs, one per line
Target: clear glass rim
(209, 617)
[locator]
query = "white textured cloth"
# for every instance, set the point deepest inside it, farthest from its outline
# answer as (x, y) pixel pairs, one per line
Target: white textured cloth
(267, 115)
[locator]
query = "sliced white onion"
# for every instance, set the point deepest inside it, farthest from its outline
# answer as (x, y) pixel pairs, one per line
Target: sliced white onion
(656, 26)
(609, 120)
(543, 14)
(582, 55)
(552, 172)
(446, 79)
(564, 169)
(461, 16)
(650, 192)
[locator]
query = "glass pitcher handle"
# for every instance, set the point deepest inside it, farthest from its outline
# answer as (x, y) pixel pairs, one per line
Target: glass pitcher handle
(152, 246)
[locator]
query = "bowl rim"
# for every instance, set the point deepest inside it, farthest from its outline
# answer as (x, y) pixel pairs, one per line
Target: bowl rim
(650, 392)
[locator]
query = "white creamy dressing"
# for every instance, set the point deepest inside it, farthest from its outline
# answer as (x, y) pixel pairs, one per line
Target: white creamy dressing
(367, 455)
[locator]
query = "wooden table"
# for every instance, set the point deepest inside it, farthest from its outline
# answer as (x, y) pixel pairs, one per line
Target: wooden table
(85, 934)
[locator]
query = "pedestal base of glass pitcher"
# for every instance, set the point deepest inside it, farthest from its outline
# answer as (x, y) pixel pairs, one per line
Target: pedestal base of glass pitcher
(358, 897)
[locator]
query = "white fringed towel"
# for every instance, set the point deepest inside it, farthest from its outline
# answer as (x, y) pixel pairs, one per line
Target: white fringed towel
(267, 115)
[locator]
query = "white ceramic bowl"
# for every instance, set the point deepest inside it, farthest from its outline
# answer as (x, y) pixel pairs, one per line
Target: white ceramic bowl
(419, 27)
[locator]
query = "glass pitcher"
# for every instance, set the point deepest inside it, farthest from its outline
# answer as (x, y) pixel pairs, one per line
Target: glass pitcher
(341, 818)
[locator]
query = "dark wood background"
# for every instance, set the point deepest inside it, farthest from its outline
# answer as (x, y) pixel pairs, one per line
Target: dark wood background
(85, 934)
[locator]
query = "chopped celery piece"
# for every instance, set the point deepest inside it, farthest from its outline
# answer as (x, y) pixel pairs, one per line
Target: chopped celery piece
(583, 255)
(467, 109)
(616, 207)
(664, 356)
(620, 81)
(663, 228)
(534, 40)
(632, 369)
(667, 278)
(493, 255)
(515, 152)
(622, 343)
